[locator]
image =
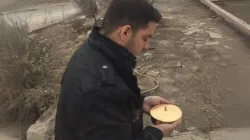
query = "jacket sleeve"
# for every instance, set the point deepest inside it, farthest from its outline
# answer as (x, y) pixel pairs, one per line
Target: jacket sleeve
(107, 118)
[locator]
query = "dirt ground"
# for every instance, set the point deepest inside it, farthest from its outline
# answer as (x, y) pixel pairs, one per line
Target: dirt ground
(239, 8)
(201, 64)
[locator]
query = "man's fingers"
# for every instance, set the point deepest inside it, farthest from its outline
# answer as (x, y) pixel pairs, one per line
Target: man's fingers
(165, 101)
(178, 122)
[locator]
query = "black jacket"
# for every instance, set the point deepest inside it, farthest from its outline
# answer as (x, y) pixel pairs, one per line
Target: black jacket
(100, 98)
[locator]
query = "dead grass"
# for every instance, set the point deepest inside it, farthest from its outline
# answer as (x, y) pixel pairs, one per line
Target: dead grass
(27, 77)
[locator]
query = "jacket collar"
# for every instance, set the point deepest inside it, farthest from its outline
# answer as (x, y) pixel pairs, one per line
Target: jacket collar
(121, 58)
(118, 55)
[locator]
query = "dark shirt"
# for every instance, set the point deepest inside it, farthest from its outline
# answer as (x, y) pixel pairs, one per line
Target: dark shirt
(100, 98)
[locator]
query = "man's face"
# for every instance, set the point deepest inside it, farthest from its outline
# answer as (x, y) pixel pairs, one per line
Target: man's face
(140, 40)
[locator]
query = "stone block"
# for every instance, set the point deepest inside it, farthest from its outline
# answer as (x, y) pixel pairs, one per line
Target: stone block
(44, 127)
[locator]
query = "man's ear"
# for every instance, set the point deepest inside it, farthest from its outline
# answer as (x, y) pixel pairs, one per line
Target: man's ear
(126, 33)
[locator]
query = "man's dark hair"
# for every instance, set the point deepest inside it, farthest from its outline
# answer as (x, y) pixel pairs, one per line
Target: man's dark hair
(136, 13)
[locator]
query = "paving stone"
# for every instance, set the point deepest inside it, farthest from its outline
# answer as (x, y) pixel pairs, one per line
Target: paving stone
(212, 43)
(191, 31)
(184, 38)
(188, 43)
(214, 35)
(187, 46)
(215, 58)
(153, 73)
(227, 47)
(199, 39)
(168, 89)
(182, 77)
(165, 80)
(171, 56)
(163, 42)
(148, 55)
(231, 134)
(198, 46)
(191, 128)
(196, 54)
(173, 64)
(145, 68)
(200, 42)
(190, 65)
(43, 127)
(145, 83)
(193, 135)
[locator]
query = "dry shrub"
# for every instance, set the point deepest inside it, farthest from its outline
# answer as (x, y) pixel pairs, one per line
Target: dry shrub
(88, 7)
(27, 85)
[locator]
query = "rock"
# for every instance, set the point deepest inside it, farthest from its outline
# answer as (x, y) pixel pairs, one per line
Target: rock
(168, 89)
(199, 42)
(199, 39)
(153, 73)
(183, 39)
(191, 128)
(231, 134)
(226, 56)
(182, 77)
(227, 47)
(81, 38)
(215, 58)
(173, 64)
(171, 56)
(187, 46)
(198, 46)
(44, 127)
(201, 24)
(145, 83)
(214, 35)
(212, 43)
(165, 80)
(175, 132)
(145, 68)
(191, 66)
(82, 17)
(163, 42)
(213, 28)
(196, 54)
(5, 137)
(223, 64)
(89, 32)
(148, 55)
(191, 31)
(188, 43)
(193, 135)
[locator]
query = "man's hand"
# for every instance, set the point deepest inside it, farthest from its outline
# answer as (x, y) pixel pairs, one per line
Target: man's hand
(151, 101)
(167, 129)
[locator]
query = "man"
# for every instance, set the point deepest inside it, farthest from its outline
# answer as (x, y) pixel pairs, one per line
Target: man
(100, 98)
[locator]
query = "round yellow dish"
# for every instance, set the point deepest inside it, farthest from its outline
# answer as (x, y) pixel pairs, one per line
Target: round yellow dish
(165, 113)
